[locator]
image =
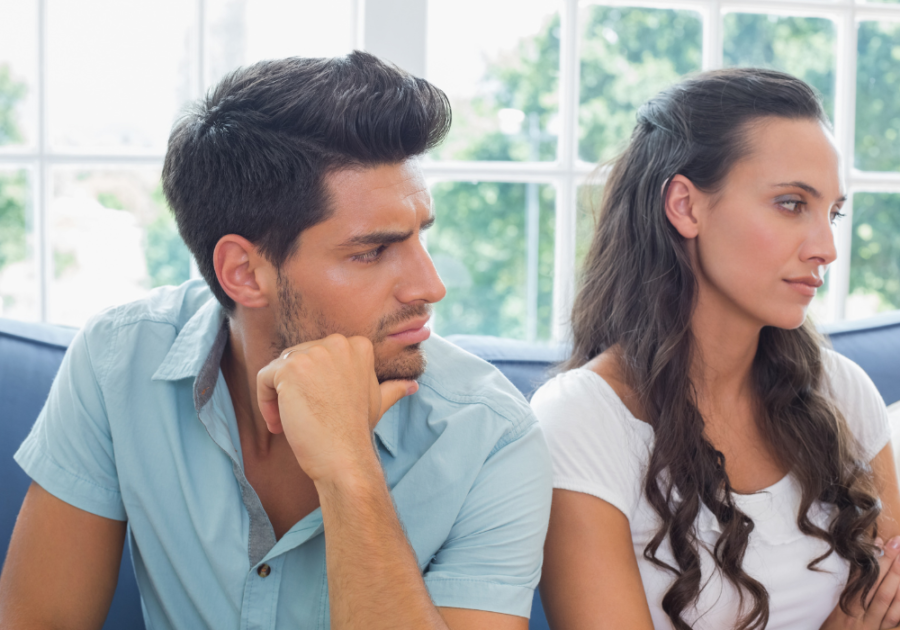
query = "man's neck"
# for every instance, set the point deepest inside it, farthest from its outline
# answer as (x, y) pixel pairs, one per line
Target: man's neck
(246, 353)
(287, 494)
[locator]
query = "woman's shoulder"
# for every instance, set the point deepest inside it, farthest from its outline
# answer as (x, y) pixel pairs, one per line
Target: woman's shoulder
(846, 383)
(858, 400)
(581, 394)
(597, 446)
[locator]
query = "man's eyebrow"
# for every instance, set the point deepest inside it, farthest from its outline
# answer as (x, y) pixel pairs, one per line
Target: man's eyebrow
(384, 237)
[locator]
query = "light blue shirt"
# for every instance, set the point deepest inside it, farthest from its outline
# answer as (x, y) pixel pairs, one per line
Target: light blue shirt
(139, 426)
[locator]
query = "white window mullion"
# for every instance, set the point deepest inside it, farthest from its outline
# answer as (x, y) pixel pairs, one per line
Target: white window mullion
(564, 237)
(383, 23)
(200, 51)
(877, 182)
(200, 87)
(712, 36)
(845, 126)
(41, 185)
(357, 23)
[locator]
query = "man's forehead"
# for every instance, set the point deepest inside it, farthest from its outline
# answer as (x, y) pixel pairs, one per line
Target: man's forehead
(372, 183)
(374, 199)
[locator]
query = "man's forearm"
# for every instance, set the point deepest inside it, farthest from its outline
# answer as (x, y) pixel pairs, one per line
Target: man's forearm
(373, 576)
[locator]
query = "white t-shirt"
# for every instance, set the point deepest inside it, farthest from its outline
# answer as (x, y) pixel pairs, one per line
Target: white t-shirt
(600, 449)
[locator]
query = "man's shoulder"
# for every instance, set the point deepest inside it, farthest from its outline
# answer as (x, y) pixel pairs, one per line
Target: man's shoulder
(140, 334)
(169, 306)
(461, 379)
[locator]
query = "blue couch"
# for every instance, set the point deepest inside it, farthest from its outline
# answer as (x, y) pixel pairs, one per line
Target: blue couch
(30, 355)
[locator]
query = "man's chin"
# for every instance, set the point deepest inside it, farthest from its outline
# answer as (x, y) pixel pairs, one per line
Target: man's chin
(408, 364)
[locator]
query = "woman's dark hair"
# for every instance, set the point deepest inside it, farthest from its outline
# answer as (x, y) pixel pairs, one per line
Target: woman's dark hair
(638, 294)
(251, 158)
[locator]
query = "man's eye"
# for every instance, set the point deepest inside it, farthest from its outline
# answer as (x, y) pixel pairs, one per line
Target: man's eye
(370, 256)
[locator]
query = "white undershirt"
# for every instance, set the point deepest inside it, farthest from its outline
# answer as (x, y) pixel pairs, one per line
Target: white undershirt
(599, 448)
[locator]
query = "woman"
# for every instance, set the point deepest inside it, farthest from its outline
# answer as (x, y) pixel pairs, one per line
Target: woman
(713, 467)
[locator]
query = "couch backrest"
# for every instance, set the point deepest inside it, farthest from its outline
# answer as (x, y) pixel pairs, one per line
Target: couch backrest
(874, 344)
(30, 355)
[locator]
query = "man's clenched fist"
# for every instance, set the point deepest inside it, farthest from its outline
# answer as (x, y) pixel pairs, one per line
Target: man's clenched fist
(324, 396)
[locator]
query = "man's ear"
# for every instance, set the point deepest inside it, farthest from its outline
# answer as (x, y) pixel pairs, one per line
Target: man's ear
(682, 199)
(245, 274)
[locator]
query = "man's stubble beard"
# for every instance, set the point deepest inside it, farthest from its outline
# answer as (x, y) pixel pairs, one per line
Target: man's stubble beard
(297, 324)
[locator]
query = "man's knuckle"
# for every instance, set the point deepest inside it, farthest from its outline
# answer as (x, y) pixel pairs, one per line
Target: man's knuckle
(362, 346)
(361, 342)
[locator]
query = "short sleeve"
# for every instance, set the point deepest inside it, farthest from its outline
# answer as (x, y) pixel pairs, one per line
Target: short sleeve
(858, 400)
(492, 558)
(596, 446)
(69, 451)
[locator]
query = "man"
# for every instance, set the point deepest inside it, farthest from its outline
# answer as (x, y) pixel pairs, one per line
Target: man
(281, 453)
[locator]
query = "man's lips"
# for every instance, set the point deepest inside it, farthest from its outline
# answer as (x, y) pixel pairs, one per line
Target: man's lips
(413, 331)
(805, 285)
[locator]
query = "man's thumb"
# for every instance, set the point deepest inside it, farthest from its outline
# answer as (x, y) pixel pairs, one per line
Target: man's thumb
(392, 391)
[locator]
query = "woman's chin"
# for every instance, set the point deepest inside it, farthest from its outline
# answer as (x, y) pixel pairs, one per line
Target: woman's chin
(789, 319)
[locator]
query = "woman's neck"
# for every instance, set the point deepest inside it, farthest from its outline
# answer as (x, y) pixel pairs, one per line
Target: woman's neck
(726, 344)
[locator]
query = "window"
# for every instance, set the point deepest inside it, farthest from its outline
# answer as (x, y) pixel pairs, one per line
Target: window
(542, 90)
(89, 90)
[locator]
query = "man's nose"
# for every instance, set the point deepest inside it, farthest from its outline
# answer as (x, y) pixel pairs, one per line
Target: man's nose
(421, 280)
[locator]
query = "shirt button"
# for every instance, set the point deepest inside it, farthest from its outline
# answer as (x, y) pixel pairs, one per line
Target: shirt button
(264, 570)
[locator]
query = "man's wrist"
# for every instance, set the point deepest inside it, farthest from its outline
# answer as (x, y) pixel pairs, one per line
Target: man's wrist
(359, 477)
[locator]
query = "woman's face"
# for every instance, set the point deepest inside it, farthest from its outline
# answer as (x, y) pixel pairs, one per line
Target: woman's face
(765, 240)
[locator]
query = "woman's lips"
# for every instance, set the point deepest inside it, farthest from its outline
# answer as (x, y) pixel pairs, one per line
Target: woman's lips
(805, 286)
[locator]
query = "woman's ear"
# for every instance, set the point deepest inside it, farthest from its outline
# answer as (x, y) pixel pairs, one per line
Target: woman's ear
(681, 200)
(244, 274)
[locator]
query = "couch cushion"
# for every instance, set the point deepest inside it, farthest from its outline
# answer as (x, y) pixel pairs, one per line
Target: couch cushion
(526, 364)
(30, 355)
(873, 343)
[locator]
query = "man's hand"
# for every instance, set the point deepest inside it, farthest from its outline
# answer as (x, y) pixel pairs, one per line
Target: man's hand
(883, 611)
(324, 396)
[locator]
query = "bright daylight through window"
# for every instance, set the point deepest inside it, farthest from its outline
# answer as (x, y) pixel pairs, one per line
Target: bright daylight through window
(542, 90)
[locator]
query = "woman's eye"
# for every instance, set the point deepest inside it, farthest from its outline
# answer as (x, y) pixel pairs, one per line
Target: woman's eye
(370, 256)
(791, 205)
(836, 216)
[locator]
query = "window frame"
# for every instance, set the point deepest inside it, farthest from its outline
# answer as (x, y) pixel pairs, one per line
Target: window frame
(567, 172)
(374, 27)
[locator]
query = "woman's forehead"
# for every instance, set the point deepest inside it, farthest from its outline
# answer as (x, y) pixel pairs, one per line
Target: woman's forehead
(788, 150)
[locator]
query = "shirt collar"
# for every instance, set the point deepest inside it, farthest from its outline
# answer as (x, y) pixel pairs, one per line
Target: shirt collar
(193, 344)
(203, 338)
(388, 428)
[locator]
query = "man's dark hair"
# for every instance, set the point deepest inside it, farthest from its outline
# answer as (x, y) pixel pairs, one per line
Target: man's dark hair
(251, 158)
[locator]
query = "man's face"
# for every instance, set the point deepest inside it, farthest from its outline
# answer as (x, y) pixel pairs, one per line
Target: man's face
(364, 271)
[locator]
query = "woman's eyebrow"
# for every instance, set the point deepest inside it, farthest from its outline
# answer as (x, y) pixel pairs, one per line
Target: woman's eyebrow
(811, 190)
